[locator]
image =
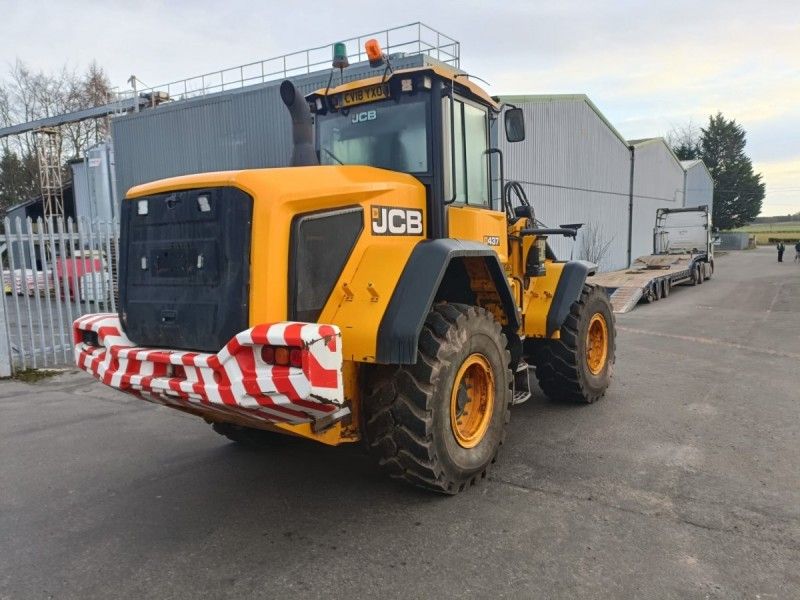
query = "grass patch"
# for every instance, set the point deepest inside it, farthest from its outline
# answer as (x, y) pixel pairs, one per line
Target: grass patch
(771, 238)
(782, 227)
(768, 234)
(34, 375)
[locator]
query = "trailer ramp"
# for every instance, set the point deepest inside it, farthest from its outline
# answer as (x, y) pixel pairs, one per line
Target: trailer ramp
(650, 278)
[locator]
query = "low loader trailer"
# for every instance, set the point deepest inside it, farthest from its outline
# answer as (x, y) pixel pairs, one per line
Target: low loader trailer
(683, 254)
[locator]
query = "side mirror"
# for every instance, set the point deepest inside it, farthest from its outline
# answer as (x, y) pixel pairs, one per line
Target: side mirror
(515, 125)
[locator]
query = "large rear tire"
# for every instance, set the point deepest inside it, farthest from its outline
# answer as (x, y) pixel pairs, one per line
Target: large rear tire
(579, 366)
(439, 423)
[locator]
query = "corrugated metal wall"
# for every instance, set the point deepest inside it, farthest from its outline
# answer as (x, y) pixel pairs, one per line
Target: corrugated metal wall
(575, 169)
(699, 185)
(657, 183)
(93, 184)
(238, 129)
(733, 241)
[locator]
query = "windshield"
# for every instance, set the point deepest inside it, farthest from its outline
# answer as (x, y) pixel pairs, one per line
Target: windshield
(384, 134)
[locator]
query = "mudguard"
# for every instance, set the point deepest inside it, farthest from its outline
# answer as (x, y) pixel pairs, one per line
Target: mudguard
(415, 292)
(569, 287)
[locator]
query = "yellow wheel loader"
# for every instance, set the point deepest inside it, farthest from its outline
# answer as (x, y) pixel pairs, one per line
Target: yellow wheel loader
(373, 291)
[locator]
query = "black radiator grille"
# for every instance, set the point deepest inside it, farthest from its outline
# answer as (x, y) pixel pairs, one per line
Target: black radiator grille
(185, 268)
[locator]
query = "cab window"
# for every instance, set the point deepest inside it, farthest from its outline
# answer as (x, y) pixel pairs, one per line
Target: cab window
(387, 134)
(471, 138)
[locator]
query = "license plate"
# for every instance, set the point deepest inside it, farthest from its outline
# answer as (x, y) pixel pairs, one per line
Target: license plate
(367, 94)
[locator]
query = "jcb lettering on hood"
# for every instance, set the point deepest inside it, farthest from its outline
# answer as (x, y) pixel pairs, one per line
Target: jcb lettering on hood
(390, 220)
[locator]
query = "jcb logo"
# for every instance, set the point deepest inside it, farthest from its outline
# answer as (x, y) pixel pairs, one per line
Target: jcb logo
(388, 220)
(367, 115)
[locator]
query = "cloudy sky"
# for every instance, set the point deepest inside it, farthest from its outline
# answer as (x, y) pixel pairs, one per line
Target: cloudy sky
(648, 65)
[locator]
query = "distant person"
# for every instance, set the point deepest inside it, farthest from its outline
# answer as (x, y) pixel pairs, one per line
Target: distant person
(797, 251)
(781, 248)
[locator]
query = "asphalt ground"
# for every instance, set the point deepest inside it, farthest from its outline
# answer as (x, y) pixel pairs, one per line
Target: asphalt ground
(683, 482)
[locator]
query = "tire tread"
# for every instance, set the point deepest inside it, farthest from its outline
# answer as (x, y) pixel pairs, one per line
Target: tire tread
(398, 412)
(556, 361)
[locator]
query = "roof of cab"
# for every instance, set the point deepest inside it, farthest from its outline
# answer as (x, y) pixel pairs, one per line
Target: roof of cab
(445, 73)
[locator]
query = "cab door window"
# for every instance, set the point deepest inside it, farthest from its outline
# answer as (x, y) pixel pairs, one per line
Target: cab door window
(471, 138)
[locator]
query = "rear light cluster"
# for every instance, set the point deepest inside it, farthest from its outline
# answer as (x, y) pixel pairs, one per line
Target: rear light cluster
(282, 356)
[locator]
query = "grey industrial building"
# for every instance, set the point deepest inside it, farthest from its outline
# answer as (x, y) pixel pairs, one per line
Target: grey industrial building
(699, 185)
(575, 166)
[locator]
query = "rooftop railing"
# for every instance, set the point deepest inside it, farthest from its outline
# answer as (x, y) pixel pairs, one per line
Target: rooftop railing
(414, 38)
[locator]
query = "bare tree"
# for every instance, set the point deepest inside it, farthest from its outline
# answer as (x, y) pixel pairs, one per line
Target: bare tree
(595, 243)
(685, 140)
(26, 95)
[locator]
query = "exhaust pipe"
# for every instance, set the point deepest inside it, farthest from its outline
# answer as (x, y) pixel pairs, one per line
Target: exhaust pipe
(303, 153)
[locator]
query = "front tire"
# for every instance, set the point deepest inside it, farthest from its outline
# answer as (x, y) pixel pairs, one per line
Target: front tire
(579, 366)
(439, 423)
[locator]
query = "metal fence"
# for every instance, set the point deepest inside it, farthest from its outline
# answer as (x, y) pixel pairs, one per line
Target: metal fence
(53, 272)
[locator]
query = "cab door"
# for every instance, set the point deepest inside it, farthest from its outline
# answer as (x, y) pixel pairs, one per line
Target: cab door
(467, 182)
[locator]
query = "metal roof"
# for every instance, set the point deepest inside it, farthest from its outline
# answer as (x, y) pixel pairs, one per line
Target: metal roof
(653, 140)
(690, 164)
(565, 98)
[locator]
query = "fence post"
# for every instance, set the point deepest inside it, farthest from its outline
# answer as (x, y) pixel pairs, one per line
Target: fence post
(5, 334)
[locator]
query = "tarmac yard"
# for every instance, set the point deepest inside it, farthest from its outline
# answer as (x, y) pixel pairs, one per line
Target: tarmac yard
(683, 482)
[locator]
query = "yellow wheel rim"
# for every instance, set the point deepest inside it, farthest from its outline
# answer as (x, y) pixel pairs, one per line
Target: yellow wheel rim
(597, 344)
(472, 401)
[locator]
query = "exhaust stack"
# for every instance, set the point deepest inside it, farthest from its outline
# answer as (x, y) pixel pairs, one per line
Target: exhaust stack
(303, 153)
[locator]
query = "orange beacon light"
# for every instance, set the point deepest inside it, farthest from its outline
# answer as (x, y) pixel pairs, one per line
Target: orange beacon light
(374, 52)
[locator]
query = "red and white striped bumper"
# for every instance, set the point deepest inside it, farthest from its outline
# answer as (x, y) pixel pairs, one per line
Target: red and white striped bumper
(234, 382)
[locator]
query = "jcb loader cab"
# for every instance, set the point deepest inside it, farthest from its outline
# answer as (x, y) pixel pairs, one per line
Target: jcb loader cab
(371, 291)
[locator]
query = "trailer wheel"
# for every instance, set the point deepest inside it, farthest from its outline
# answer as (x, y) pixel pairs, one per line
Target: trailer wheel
(666, 284)
(579, 366)
(439, 423)
(648, 295)
(658, 289)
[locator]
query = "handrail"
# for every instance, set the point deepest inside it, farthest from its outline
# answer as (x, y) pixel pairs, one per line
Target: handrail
(552, 231)
(414, 38)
